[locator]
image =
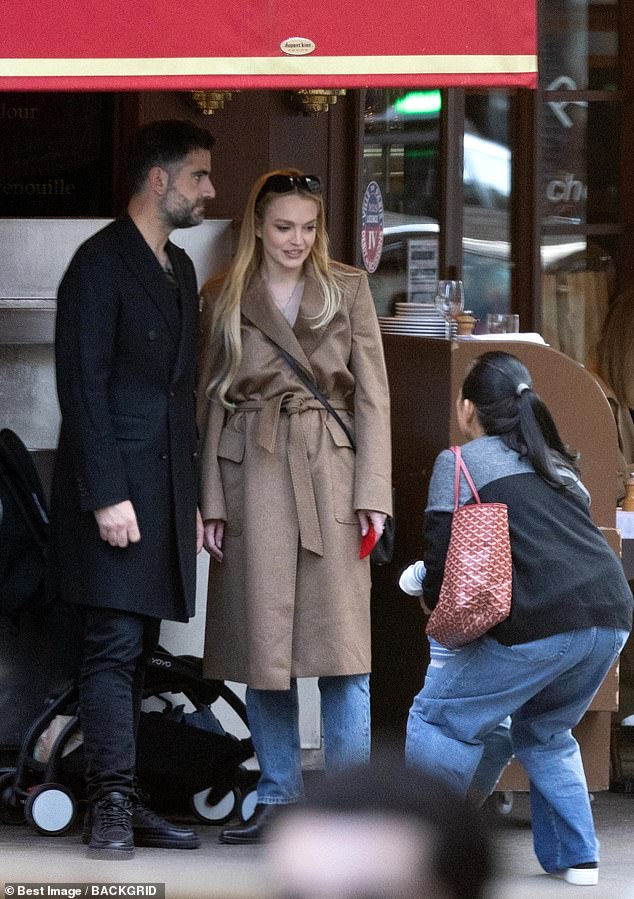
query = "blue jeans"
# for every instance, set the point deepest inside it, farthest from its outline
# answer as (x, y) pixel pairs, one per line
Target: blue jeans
(546, 686)
(498, 749)
(274, 724)
(498, 752)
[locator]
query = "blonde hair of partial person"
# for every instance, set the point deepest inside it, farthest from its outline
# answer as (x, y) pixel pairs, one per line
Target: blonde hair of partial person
(615, 349)
(225, 321)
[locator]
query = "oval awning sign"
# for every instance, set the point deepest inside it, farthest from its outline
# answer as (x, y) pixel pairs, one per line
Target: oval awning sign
(297, 46)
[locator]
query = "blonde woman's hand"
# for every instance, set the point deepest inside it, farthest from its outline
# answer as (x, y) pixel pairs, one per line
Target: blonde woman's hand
(369, 517)
(214, 533)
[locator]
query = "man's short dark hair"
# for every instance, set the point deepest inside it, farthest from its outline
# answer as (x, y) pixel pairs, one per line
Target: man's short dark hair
(163, 143)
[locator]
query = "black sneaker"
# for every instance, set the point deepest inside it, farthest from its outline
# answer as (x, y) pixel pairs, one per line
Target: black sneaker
(150, 830)
(111, 831)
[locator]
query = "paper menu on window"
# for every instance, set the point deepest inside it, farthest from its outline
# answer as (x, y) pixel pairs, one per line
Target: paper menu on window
(422, 270)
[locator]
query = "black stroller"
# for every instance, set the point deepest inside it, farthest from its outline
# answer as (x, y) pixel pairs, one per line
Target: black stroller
(186, 761)
(23, 529)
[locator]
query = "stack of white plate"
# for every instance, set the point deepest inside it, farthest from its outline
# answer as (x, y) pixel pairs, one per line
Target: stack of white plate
(415, 318)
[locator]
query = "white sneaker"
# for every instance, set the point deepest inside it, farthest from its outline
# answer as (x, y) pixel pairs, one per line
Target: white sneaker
(583, 876)
(411, 580)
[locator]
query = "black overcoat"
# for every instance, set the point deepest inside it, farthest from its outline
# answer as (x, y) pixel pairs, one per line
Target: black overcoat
(125, 362)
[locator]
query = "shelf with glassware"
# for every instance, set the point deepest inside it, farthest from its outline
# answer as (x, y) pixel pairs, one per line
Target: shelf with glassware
(435, 316)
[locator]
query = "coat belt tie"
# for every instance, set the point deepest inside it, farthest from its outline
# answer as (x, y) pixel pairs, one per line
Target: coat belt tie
(310, 536)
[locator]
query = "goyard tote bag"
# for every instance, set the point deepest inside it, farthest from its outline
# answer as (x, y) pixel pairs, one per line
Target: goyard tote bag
(476, 588)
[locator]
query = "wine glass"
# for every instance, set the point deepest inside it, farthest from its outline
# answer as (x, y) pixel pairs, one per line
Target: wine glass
(449, 300)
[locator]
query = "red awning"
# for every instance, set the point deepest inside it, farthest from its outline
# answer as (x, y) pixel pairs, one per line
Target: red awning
(233, 44)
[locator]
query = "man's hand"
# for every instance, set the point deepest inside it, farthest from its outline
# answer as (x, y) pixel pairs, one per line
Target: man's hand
(200, 531)
(117, 524)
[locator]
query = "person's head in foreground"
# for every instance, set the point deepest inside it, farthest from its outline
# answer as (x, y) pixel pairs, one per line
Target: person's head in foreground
(381, 831)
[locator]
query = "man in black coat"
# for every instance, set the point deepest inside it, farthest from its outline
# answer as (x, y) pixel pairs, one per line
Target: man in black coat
(125, 522)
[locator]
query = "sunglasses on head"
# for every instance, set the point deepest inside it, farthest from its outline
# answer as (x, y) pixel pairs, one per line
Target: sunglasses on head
(283, 184)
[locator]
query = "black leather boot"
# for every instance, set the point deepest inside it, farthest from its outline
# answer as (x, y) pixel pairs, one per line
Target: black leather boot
(111, 830)
(152, 830)
(253, 830)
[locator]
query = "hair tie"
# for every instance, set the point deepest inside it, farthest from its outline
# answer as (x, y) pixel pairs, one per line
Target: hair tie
(521, 387)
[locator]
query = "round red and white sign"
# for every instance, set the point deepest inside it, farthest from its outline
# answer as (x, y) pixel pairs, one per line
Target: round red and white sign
(372, 226)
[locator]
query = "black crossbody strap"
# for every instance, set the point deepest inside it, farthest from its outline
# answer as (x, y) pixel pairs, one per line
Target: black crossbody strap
(316, 392)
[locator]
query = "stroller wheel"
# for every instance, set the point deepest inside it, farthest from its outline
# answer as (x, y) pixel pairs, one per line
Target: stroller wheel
(206, 808)
(50, 808)
(247, 804)
(11, 807)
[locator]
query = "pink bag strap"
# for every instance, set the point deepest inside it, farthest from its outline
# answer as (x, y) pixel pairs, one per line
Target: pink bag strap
(461, 467)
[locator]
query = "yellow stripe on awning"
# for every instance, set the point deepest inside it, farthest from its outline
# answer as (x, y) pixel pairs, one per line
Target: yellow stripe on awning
(264, 65)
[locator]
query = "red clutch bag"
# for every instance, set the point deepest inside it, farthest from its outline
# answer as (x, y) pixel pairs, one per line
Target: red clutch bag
(368, 543)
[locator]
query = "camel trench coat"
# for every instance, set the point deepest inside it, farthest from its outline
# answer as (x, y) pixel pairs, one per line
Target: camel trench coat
(291, 597)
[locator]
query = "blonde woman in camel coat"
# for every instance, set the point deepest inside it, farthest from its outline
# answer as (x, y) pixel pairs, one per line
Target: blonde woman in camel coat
(285, 498)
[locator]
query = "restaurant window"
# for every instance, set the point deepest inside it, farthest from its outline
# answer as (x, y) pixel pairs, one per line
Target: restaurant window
(445, 184)
(401, 148)
(524, 193)
(579, 203)
(486, 242)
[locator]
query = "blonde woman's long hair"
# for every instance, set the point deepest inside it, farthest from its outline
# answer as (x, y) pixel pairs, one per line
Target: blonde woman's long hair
(225, 322)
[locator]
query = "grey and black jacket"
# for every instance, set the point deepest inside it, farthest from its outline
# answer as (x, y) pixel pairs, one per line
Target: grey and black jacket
(565, 576)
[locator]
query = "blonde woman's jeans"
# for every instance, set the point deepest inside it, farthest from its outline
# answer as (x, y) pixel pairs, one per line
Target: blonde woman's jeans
(274, 725)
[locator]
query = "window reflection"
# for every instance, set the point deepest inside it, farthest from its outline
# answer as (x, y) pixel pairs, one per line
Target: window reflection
(401, 152)
(580, 170)
(401, 148)
(580, 163)
(486, 250)
(577, 283)
(579, 47)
